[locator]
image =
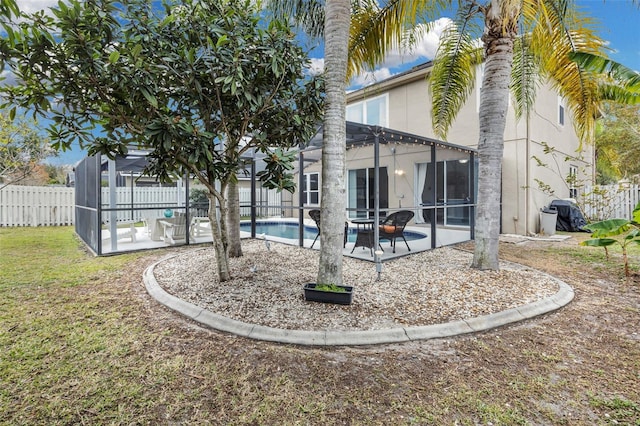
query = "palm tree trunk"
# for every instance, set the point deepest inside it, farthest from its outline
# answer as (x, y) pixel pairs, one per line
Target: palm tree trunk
(336, 30)
(500, 33)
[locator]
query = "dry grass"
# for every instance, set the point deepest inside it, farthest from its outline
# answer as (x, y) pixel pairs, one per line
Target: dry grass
(82, 343)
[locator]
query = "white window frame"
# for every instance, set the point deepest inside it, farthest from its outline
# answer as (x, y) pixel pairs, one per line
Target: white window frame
(307, 191)
(363, 109)
(562, 111)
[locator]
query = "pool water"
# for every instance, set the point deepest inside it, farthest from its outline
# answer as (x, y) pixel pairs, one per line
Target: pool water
(290, 230)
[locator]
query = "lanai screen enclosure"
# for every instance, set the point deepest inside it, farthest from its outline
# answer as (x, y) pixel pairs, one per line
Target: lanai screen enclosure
(387, 171)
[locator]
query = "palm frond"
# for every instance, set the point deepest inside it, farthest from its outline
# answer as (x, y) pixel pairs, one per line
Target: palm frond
(557, 31)
(452, 77)
(620, 84)
(616, 93)
(377, 30)
(307, 15)
(524, 76)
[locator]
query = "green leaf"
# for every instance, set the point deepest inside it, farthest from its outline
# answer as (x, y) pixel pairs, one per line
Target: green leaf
(608, 228)
(135, 52)
(599, 242)
(221, 40)
(636, 214)
(114, 56)
(149, 97)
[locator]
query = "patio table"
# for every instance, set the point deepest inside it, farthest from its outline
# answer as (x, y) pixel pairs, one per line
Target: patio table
(364, 234)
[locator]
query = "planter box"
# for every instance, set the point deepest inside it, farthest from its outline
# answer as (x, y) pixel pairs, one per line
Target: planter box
(341, 298)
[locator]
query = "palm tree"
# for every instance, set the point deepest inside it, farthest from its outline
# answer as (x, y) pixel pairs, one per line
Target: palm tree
(522, 41)
(336, 25)
(333, 23)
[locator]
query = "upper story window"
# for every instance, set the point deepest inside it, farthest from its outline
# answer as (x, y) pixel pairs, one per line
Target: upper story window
(561, 109)
(373, 111)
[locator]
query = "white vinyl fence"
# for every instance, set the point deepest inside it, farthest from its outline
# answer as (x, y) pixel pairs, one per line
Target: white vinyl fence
(602, 202)
(36, 206)
(55, 206)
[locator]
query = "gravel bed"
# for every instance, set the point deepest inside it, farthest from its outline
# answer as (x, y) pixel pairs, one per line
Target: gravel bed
(425, 288)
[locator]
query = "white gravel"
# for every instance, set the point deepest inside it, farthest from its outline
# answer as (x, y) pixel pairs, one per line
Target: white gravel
(426, 288)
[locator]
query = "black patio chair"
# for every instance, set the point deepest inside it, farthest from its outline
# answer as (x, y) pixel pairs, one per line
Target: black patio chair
(315, 215)
(392, 227)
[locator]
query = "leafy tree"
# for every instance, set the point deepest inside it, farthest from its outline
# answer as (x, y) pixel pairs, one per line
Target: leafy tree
(198, 83)
(22, 149)
(618, 143)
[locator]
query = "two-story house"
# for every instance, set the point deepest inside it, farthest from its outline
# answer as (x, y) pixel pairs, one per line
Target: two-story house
(542, 161)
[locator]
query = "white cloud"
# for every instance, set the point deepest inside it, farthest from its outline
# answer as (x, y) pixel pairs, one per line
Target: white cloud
(369, 78)
(316, 66)
(30, 6)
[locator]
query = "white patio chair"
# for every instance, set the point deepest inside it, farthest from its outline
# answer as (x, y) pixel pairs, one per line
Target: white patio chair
(174, 229)
(127, 232)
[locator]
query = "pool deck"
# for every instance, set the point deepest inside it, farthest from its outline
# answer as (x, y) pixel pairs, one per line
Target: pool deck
(445, 236)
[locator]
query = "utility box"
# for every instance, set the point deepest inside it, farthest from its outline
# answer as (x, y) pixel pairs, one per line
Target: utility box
(548, 219)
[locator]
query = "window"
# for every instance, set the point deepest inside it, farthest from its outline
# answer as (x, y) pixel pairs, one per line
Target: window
(571, 181)
(311, 189)
(372, 111)
(361, 192)
(560, 111)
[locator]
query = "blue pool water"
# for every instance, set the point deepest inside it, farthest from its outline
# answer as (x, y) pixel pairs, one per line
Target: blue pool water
(290, 230)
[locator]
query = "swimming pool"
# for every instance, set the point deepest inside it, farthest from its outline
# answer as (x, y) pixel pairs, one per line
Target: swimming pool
(290, 231)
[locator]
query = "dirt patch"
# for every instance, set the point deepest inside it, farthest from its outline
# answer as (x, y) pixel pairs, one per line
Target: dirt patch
(577, 366)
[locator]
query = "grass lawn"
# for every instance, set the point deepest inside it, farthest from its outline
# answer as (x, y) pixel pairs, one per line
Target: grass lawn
(82, 343)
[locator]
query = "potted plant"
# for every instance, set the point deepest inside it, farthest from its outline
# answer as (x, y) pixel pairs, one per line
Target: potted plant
(328, 293)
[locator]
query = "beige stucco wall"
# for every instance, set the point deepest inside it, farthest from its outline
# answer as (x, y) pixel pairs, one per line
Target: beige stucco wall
(401, 161)
(410, 111)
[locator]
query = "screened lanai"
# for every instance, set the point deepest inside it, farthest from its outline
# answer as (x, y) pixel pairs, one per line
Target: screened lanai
(390, 171)
(119, 209)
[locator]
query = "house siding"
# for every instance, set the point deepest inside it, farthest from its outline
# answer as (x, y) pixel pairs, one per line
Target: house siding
(522, 199)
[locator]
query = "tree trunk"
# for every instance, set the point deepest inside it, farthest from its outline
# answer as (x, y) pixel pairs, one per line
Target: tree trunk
(222, 260)
(494, 99)
(332, 216)
(233, 219)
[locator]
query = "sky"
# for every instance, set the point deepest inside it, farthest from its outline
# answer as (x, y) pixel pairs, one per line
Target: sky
(619, 25)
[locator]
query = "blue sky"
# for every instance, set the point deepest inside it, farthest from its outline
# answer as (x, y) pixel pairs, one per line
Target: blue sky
(619, 26)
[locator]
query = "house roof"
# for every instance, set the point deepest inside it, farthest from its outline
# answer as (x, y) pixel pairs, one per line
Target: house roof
(362, 134)
(358, 135)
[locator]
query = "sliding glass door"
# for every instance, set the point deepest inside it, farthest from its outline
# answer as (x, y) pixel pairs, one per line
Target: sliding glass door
(452, 187)
(361, 192)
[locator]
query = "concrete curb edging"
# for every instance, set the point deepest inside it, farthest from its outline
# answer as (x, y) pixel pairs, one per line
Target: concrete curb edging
(353, 338)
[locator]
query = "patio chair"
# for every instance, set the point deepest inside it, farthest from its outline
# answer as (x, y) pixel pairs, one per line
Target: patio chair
(128, 231)
(174, 230)
(315, 215)
(392, 227)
